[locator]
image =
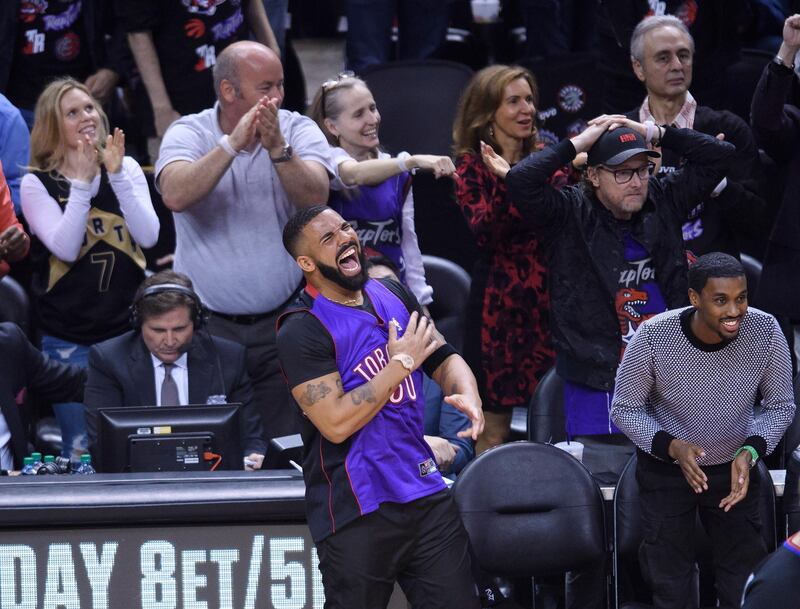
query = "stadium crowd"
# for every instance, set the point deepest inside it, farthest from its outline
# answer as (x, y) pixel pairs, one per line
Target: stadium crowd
(184, 238)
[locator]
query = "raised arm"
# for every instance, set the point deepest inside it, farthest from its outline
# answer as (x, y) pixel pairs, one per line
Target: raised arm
(708, 161)
(130, 187)
(183, 183)
(338, 415)
(541, 205)
(776, 126)
(374, 171)
(305, 181)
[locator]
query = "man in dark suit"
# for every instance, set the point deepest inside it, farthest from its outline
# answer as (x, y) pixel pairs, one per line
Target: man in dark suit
(22, 365)
(163, 361)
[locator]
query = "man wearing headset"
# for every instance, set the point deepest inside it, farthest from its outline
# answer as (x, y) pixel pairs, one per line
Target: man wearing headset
(163, 361)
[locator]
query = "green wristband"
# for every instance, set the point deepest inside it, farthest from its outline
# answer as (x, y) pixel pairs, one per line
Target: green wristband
(753, 453)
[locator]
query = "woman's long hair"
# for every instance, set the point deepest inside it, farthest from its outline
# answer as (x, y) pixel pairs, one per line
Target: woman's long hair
(48, 147)
(478, 105)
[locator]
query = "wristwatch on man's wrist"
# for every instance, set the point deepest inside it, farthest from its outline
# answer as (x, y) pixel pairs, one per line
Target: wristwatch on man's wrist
(779, 61)
(286, 155)
(405, 360)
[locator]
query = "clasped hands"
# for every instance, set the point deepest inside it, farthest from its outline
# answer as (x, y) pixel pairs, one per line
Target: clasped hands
(687, 454)
(260, 123)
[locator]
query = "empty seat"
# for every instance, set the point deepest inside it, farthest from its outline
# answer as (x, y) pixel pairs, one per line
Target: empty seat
(531, 510)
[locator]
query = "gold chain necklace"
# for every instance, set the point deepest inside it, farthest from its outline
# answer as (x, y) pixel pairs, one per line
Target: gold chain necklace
(347, 303)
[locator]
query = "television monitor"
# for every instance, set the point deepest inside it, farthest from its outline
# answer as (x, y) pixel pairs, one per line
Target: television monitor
(168, 438)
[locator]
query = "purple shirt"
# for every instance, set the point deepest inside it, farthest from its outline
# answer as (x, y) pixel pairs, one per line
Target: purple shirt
(588, 411)
(376, 213)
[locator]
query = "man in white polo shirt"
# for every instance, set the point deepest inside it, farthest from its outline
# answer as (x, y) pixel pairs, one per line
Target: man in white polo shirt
(233, 175)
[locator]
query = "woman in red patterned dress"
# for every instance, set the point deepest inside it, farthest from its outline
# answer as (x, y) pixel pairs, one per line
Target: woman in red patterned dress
(507, 340)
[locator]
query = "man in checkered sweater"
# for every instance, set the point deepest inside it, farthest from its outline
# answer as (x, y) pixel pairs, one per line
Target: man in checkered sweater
(685, 395)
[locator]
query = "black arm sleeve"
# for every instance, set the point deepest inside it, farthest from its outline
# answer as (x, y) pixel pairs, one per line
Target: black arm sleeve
(305, 349)
(541, 206)
(708, 160)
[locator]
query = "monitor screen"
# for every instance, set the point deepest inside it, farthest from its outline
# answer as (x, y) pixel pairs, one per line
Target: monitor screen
(168, 438)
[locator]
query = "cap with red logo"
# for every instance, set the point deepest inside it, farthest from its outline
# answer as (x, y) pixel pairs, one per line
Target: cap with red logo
(617, 146)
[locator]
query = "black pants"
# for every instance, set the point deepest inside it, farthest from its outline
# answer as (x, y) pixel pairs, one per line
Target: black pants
(279, 414)
(421, 544)
(669, 514)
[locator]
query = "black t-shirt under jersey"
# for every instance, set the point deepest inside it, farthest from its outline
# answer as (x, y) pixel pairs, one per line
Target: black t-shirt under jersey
(307, 351)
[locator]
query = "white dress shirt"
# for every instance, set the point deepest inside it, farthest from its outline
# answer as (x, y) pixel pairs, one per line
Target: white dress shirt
(180, 374)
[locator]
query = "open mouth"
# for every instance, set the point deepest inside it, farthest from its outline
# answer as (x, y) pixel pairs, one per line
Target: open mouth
(731, 324)
(629, 308)
(348, 260)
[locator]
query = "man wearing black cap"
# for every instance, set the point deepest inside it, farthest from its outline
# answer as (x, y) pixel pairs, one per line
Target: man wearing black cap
(615, 251)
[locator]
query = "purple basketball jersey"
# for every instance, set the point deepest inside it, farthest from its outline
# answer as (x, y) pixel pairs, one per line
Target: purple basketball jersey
(388, 459)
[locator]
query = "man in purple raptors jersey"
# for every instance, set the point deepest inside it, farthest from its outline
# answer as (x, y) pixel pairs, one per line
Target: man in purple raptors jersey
(351, 349)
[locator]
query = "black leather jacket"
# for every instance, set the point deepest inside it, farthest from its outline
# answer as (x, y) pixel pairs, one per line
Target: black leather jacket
(586, 249)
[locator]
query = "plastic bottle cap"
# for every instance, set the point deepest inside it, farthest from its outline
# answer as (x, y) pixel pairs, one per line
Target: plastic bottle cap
(27, 461)
(86, 458)
(36, 456)
(49, 458)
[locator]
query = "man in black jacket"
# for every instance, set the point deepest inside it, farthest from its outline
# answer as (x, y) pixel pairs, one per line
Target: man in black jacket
(615, 249)
(775, 119)
(165, 361)
(662, 56)
(21, 366)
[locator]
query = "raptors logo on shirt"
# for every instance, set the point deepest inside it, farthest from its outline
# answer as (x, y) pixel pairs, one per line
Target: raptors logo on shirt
(29, 9)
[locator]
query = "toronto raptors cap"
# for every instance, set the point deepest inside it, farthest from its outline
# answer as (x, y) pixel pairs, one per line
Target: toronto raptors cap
(617, 146)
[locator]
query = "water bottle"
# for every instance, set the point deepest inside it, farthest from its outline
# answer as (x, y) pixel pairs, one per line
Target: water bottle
(85, 467)
(27, 467)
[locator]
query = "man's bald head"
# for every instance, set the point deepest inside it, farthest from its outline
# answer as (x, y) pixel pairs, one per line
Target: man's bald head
(239, 54)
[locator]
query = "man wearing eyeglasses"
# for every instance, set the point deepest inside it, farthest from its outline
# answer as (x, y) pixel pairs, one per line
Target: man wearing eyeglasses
(662, 57)
(615, 252)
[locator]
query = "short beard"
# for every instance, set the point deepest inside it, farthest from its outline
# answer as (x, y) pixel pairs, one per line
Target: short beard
(354, 283)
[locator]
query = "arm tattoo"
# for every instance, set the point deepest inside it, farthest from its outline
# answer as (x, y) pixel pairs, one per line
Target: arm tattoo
(314, 393)
(365, 393)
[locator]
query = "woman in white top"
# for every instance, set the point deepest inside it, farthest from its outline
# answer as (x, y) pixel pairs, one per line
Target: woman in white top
(371, 189)
(89, 211)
